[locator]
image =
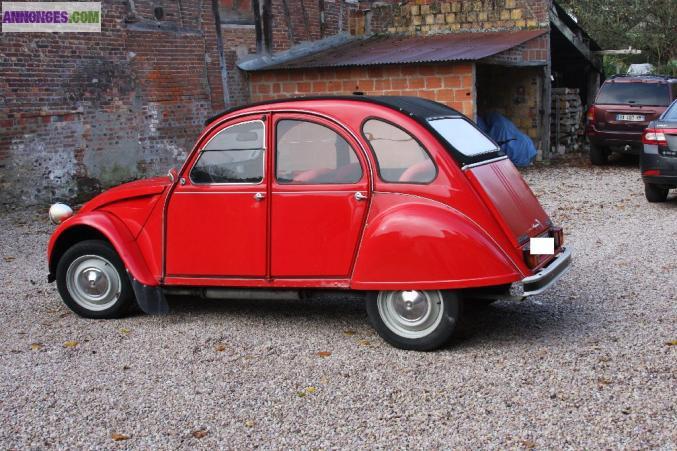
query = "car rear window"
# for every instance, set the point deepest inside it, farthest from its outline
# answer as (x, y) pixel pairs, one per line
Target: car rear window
(671, 113)
(463, 136)
(635, 93)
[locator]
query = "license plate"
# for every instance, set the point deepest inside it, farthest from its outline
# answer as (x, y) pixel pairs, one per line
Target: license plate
(630, 117)
(542, 246)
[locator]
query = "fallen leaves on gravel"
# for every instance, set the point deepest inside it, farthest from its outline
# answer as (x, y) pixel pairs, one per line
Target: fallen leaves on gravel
(602, 381)
(220, 347)
(671, 343)
(200, 433)
(529, 444)
(119, 437)
(323, 354)
(364, 343)
(36, 346)
(9, 259)
(124, 331)
(249, 423)
(349, 333)
(70, 344)
(306, 391)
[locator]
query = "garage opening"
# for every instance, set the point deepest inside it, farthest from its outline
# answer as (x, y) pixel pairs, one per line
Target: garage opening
(514, 92)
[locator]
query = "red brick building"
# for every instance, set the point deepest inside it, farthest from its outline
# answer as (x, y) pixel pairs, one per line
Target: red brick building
(82, 111)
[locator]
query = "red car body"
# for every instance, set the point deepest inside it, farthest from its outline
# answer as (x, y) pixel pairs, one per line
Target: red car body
(470, 227)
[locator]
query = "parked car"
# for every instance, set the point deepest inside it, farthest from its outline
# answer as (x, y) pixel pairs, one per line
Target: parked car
(399, 198)
(658, 162)
(623, 108)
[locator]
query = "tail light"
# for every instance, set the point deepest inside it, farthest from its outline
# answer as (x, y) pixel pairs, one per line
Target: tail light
(590, 116)
(652, 172)
(655, 137)
(558, 235)
(532, 261)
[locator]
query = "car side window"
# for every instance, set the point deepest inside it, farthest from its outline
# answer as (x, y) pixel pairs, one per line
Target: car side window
(400, 157)
(234, 155)
(310, 153)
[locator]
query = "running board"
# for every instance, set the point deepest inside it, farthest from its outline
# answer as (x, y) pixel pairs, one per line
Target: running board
(235, 293)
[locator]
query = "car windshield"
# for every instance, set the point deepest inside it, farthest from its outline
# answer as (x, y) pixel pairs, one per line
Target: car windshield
(655, 94)
(463, 136)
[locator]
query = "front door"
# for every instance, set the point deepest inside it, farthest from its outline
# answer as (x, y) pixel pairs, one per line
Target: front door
(217, 216)
(320, 196)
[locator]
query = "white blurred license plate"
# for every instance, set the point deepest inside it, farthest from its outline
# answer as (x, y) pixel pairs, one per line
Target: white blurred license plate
(630, 117)
(542, 246)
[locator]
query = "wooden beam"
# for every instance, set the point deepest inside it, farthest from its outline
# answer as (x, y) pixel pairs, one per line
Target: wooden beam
(573, 39)
(629, 51)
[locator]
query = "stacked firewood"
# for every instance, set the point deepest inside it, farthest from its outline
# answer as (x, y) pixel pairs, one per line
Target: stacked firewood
(566, 120)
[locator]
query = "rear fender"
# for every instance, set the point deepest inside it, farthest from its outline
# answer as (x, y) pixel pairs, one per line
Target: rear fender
(415, 243)
(97, 224)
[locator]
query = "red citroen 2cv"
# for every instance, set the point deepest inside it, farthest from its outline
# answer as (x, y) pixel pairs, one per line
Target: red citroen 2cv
(401, 199)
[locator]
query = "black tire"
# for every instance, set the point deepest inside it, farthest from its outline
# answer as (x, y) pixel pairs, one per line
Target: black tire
(125, 300)
(599, 155)
(655, 193)
(438, 337)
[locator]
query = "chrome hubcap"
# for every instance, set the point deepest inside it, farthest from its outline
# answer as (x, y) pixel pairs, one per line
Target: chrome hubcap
(411, 314)
(93, 282)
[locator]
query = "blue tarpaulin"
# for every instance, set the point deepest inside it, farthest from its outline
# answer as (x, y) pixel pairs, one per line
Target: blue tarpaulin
(518, 146)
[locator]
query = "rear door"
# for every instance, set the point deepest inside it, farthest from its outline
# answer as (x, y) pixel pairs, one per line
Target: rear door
(320, 196)
(509, 197)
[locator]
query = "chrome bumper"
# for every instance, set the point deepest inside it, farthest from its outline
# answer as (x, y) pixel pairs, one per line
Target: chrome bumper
(547, 276)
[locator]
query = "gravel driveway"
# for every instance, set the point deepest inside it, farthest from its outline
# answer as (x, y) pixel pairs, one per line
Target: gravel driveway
(589, 364)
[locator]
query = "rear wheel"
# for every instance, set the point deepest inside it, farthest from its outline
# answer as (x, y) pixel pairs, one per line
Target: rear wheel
(92, 281)
(599, 155)
(655, 193)
(414, 320)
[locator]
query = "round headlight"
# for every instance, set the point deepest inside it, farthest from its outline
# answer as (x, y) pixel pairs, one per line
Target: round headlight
(59, 212)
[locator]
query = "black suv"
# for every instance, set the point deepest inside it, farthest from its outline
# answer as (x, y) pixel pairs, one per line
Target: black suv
(623, 108)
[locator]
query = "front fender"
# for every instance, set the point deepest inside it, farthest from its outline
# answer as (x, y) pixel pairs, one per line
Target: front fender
(96, 224)
(411, 242)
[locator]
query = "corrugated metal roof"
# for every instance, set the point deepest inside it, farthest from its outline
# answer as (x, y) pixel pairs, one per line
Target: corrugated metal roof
(397, 49)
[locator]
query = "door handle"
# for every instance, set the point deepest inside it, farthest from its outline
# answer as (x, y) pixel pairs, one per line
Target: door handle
(360, 196)
(259, 197)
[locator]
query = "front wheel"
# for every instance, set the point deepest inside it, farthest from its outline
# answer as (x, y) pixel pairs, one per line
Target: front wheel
(92, 281)
(414, 320)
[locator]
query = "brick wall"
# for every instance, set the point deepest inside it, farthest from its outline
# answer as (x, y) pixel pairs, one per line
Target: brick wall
(435, 16)
(80, 112)
(534, 51)
(297, 21)
(451, 84)
(238, 41)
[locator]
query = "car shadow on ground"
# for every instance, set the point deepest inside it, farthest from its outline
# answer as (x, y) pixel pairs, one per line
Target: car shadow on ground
(500, 322)
(304, 310)
(526, 321)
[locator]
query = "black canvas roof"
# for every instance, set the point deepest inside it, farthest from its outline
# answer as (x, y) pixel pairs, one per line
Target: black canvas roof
(413, 106)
